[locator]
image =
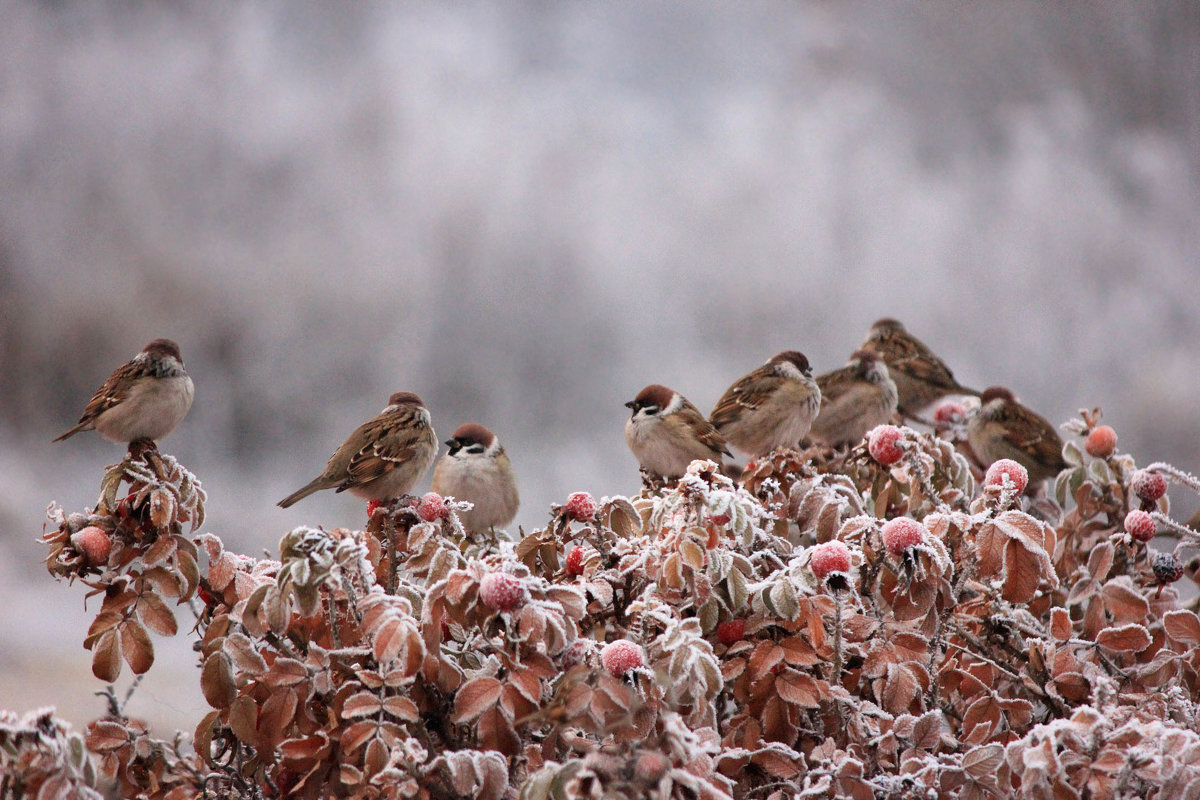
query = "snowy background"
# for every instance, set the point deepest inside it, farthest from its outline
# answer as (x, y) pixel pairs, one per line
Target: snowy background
(526, 212)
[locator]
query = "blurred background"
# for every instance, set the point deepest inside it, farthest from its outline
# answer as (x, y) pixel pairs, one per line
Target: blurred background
(527, 211)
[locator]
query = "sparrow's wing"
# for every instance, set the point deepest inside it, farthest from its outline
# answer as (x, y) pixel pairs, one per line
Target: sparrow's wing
(905, 353)
(837, 383)
(748, 393)
(703, 430)
(1032, 434)
(116, 389)
(389, 440)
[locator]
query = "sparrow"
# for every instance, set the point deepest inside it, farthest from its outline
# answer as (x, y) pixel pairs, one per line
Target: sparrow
(145, 398)
(921, 377)
(854, 399)
(1003, 428)
(477, 470)
(667, 433)
(773, 406)
(384, 457)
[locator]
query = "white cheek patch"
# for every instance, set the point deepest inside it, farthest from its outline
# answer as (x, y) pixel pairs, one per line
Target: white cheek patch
(673, 406)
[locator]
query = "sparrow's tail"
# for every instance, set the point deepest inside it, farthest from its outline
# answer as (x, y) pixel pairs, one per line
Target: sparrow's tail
(80, 427)
(317, 485)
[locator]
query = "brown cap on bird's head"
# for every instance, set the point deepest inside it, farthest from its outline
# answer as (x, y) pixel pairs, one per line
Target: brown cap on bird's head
(404, 399)
(163, 348)
(471, 433)
(653, 395)
(886, 326)
(996, 393)
(794, 357)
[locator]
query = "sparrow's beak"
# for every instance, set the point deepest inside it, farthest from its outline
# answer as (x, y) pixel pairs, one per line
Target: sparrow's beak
(631, 404)
(450, 443)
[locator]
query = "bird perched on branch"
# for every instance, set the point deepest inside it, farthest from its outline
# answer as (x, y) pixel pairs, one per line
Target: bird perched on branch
(476, 469)
(1003, 428)
(666, 433)
(145, 398)
(921, 377)
(773, 406)
(384, 457)
(854, 399)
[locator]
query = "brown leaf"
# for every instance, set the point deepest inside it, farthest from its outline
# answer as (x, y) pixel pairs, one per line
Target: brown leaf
(357, 734)
(475, 697)
(1100, 560)
(799, 689)
(156, 615)
(495, 732)
(900, 690)
(136, 646)
(275, 718)
(401, 708)
(764, 658)
(982, 763)
(243, 719)
(376, 758)
(106, 658)
(104, 735)
(1127, 638)
(1183, 627)
(1123, 603)
(216, 680)
(1060, 624)
(363, 704)
(286, 672)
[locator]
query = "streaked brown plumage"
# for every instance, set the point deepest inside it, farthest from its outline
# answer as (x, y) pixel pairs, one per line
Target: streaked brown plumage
(921, 377)
(667, 433)
(144, 398)
(773, 406)
(1003, 428)
(383, 458)
(854, 399)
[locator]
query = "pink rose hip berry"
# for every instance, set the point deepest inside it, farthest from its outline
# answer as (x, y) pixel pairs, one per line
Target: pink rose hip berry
(94, 543)
(575, 561)
(432, 507)
(1148, 486)
(581, 507)
(883, 442)
(621, 656)
(372, 505)
(901, 533)
(1101, 442)
(829, 557)
(1140, 526)
(500, 591)
(1006, 466)
(731, 631)
(949, 413)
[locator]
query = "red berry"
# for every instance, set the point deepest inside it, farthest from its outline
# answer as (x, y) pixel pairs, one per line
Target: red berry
(432, 507)
(731, 631)
(1006, 466)
(581, 507)
(949, 413)
(901, 533)
(829, 557)
(1101, 442)
(621, 656)
(1148, 486)
(883, 442)
(94, 543)
(1140, 525)
(500, 591)
(651, 766)
(576, 652)
(575, 561)
(372, 505)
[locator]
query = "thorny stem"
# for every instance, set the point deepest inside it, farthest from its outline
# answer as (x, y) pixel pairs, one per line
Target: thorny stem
(1175, 474)
(837, 637)
(390, 535)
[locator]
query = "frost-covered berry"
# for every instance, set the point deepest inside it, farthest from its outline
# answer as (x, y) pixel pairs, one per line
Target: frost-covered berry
(1147, 485)
(372, 505)
(829, 557)
(575, 561)
(621, 656)
(432, 507)
(1101, 442)
(901, 533)
(576, 652)
(651, 766)
(95, 544)
(1140, 525)
(883, 442)
(731, 631)
(949, 412)
(1167, 567)
(1006, 466)
(500, 591)
(581, 507)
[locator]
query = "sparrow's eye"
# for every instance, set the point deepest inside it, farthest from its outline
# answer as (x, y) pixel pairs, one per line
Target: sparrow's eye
(475, 449)
(651, 410)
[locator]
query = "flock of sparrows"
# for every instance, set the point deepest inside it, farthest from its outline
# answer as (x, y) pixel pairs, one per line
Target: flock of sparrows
(778, 405)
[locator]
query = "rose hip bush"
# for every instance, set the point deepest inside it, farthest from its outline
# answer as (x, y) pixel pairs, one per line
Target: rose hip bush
(831, 626)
